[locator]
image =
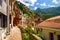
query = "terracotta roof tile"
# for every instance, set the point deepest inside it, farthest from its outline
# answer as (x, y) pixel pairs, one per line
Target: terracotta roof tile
(51, 23)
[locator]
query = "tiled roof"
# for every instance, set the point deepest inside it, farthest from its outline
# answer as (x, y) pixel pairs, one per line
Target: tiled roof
(51, 22)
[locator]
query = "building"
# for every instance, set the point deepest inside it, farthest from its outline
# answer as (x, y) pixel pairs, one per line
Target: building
(6, 8)
(3, 13)
(50, 28)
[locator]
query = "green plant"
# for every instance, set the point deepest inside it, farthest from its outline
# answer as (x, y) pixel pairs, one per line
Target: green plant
(26, 36)
(29, 30)
(40, 35)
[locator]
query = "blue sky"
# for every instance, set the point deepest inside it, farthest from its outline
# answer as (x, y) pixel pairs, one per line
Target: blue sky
(34, 4)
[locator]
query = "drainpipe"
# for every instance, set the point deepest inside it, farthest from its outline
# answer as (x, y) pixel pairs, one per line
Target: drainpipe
(8, 18)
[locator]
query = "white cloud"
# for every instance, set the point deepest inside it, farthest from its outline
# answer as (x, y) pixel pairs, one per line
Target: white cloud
(55, 1)
(35, 8)
(21, 1)
(33, 2)
(44, 4)
(30, 2)
(27, 4)
(51, 5)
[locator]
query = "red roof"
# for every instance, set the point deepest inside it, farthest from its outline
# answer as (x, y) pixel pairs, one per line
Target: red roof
(51, 22)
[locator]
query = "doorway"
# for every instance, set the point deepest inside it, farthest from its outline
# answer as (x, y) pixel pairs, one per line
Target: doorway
(51, 36)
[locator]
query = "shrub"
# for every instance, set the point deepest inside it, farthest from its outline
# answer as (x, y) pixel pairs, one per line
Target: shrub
(40, 35)
(26, 37)
(29, 30)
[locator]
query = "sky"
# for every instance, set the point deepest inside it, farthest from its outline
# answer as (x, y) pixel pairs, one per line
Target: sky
(34, 4)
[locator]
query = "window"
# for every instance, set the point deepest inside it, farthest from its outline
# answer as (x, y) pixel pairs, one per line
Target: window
(58, 37)
(51, 36)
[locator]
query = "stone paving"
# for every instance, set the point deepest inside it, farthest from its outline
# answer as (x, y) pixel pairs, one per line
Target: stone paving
(15, 34)
(1, 31)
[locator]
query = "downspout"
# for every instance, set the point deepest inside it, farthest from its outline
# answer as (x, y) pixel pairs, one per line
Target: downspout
(8, 28)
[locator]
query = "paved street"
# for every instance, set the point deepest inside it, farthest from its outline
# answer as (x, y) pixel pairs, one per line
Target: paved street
(15, 34)
(1, 31)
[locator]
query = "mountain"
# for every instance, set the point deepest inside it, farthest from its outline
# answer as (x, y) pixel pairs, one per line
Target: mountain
(48, 12)
(43, 13)
(40, 11)
(53, 10)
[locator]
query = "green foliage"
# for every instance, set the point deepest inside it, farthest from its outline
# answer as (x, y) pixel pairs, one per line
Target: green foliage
(26, 36)
(52, 10)
(29, 30)
(48, 12)
(40, 35)
(25, 10)
(20, 6)
(40, 11)
(46, 16)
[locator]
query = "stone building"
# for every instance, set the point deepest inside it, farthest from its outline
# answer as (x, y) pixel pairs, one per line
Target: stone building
(50, 28)
(3, 13)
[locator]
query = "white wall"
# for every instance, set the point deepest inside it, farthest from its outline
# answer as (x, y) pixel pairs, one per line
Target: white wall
(4, 7)
(46, 31)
